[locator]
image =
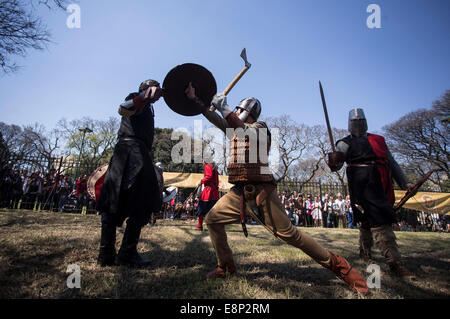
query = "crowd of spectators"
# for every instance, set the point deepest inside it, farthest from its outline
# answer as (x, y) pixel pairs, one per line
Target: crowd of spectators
(38, 190)
(57, 192)
(336, 212)
(316, 211)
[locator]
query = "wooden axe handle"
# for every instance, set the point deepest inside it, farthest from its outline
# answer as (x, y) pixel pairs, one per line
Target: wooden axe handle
(232, 84)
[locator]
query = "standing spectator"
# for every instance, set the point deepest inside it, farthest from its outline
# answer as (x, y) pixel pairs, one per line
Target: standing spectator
(210, 194)
(81, 191)
(325, 210)
(25, 179)
(317, 212)
(332, 214)
(325, 198)
(16, 188)
(64, 191)
(309, 207)
(341, 215)
(283, 198)
(447, 221)
(33, 190)
(49, 181)
(295, 195)
(301, 211)
(348, 211)
(6, 185)
(292, 213)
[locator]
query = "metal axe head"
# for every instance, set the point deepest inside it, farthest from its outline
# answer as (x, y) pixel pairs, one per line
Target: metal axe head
(244, 57)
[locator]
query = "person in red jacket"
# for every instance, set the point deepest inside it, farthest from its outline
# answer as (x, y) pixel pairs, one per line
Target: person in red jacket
(210, 194)
(81, 191)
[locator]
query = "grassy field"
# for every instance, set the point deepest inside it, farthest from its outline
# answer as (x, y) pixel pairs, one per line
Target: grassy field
(37, 247)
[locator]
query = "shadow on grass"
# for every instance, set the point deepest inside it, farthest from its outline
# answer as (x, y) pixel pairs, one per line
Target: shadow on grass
(19, 276)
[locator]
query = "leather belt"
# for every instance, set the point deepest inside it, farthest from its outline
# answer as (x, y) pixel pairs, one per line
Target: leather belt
(363, 164)
(132, 139)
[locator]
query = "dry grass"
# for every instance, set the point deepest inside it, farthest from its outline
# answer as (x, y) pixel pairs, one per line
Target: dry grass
(37, 247)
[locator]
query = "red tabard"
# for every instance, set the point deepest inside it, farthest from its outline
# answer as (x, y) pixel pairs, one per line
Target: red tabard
(380, 149)
(211, 182)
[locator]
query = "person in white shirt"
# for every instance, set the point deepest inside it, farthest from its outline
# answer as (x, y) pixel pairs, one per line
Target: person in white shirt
(341, 216)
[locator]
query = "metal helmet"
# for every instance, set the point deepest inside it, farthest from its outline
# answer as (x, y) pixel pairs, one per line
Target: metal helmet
(146, 84)
(251, 106)
(357, 123)
(159, 165)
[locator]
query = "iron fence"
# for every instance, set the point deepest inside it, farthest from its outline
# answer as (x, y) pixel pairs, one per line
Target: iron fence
(64, 198)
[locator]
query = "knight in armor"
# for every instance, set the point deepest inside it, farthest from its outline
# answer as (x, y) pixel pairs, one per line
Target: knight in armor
(370, 170)
(254, 192)
(210, 194)
(130, 189)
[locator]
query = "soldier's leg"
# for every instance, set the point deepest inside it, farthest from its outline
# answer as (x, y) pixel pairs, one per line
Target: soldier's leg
(225, 211)
(386, 242)
(107, 253)
(365, 242)
(284, 230)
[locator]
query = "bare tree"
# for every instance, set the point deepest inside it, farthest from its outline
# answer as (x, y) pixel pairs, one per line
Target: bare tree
(294, 141)
(323, 147)
(11, 138)
(442, 106)
(21, 29)
(41, 142)
(420, 141)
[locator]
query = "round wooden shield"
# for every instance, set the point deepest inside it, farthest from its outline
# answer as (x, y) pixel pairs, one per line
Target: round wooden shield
(95, 181)
(176, 82)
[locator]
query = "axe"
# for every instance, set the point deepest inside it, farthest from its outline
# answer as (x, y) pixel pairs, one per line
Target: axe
(237, 78)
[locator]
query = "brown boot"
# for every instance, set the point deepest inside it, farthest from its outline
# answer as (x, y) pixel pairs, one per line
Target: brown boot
(399, 270)
(343, 270)
(365, 255)
(222, 271)
(365, 244)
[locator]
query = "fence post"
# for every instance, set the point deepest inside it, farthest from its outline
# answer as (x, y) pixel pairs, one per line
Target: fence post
(320, 189)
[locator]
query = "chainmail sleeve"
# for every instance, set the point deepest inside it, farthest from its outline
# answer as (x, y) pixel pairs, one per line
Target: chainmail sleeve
(397, 173)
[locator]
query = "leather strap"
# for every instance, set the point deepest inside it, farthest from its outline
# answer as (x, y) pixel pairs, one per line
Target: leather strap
(242, 213)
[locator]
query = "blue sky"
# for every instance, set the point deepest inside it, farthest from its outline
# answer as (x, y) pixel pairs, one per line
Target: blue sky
(292, 45)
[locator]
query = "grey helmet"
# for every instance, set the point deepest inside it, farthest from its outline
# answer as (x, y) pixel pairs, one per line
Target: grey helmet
(146, 84)
(357, 123)
(251, 106)
(159, 165)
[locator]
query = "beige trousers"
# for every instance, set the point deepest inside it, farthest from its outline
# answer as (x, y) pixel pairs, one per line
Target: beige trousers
(226, 211)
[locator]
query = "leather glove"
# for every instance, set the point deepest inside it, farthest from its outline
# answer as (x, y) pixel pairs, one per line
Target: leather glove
(219, 101)
(335, 160)
(152, 94)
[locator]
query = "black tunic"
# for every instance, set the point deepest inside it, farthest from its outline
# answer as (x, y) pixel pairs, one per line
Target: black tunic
(365, 185)
(130, 188)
